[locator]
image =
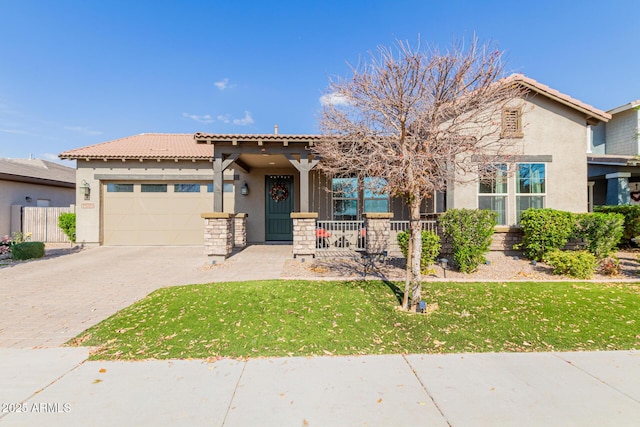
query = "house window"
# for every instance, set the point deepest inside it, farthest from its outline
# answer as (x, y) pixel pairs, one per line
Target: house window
(119, 188)
(345, 198)
(186, 188)
(227, 187)
(374, 199)
(512, 123)
(492, 192)
(530, 186)
(153, 188)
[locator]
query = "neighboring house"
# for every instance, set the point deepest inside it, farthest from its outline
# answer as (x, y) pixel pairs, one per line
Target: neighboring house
(32, 182)
(614, 157)
(150, 189)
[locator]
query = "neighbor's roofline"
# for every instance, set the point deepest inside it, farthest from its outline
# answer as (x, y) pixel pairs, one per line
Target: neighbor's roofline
(625, 107)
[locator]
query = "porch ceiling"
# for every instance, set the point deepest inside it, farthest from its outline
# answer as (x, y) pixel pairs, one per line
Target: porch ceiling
(265, 161)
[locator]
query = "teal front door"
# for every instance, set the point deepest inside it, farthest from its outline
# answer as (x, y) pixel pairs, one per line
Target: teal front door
(278, 207)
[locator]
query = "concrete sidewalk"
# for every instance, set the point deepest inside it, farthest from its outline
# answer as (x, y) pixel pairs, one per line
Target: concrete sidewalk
(54, 387)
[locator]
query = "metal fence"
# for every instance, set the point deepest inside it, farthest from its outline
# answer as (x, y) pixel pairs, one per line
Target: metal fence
(42, 223)
(350, 235)
(340, 235)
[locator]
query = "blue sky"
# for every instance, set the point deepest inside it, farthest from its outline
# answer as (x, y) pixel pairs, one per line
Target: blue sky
(75, 73)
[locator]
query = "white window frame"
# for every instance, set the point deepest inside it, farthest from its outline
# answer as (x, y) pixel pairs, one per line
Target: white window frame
(504, 195)
(518, 194)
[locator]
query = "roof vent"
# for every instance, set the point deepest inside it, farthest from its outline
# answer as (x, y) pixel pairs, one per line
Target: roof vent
(275, 129)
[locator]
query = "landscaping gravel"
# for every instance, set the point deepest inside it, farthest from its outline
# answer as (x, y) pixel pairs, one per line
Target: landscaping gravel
(500, 266)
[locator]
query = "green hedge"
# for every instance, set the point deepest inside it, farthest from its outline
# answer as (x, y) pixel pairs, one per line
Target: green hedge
(601, 232)
(67, 222)
(27, 250)
(631, 220)
(578, 264)
(544, 230)
(471, 232)
(430, 248)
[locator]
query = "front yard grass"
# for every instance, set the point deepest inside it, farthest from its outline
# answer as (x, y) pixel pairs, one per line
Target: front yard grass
(302, 318)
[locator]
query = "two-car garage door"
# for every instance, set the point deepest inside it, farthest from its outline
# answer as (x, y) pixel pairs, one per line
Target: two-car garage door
(148, 213)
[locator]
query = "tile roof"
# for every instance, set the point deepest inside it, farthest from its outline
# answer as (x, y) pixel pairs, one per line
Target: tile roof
(547, 91)
(239, 138)
(144, 146)
(37, 171)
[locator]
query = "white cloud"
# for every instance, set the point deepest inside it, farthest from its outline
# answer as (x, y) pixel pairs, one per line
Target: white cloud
(333, 99)
(83, 130)
(222, 84)
(200, 119)
(15, 131)
(246, 120)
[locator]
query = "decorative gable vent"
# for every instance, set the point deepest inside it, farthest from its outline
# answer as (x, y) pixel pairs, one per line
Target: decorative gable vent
(512, 123)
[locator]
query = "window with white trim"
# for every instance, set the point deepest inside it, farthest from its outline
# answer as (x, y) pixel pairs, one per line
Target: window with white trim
(530, 187)
(493, 191)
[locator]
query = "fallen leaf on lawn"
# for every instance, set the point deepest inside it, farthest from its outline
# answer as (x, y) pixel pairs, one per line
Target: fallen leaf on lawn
(328, 352)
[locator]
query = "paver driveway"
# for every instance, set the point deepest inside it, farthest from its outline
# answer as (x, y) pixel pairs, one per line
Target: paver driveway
(46, 302)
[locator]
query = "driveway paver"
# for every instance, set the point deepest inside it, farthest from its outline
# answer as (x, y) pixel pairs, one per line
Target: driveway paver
(49, 301)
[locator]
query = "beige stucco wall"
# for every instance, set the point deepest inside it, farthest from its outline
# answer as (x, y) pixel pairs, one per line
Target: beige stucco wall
(89, 212)
(551, 129)
(15, 193)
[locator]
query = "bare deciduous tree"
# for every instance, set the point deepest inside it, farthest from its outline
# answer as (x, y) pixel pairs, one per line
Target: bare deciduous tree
(420, 120)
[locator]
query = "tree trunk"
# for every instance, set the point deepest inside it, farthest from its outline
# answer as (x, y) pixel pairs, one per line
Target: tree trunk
(413, 281)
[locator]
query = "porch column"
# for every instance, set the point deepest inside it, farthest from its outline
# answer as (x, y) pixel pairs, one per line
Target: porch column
(240, 230)
(304, 233)
(618, 192)
(378, 226)
(218, 237)
(304, 166)
(220, 163)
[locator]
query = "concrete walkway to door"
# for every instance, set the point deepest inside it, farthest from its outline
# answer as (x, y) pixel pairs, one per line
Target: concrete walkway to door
(48, 301)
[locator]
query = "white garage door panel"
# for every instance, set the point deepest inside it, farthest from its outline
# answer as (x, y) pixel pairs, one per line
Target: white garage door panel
(155, 218)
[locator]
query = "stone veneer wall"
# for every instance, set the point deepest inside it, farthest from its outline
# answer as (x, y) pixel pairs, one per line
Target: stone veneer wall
(240, 230)
(218, 236)
(304, 233)
(378, 226)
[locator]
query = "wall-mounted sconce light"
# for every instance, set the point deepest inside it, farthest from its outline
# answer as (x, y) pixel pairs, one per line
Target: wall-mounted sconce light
(85, 189)
(244, 190)
(28, 199)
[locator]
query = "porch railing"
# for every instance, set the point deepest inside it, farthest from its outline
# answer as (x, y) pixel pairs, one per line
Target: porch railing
(351, 235)
(340, 235)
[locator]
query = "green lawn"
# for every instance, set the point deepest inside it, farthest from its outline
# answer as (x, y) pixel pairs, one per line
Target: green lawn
(287, 318)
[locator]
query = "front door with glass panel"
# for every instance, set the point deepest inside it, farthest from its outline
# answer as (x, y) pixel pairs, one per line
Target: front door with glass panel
(278, 207)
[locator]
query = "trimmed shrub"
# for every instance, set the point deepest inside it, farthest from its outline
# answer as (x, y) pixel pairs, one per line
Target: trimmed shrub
(67, 222)
(430, 247)
(601, 232)
(27, 250)
(471, 232)
(631, 220)
(544, 230)
(578, 264)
